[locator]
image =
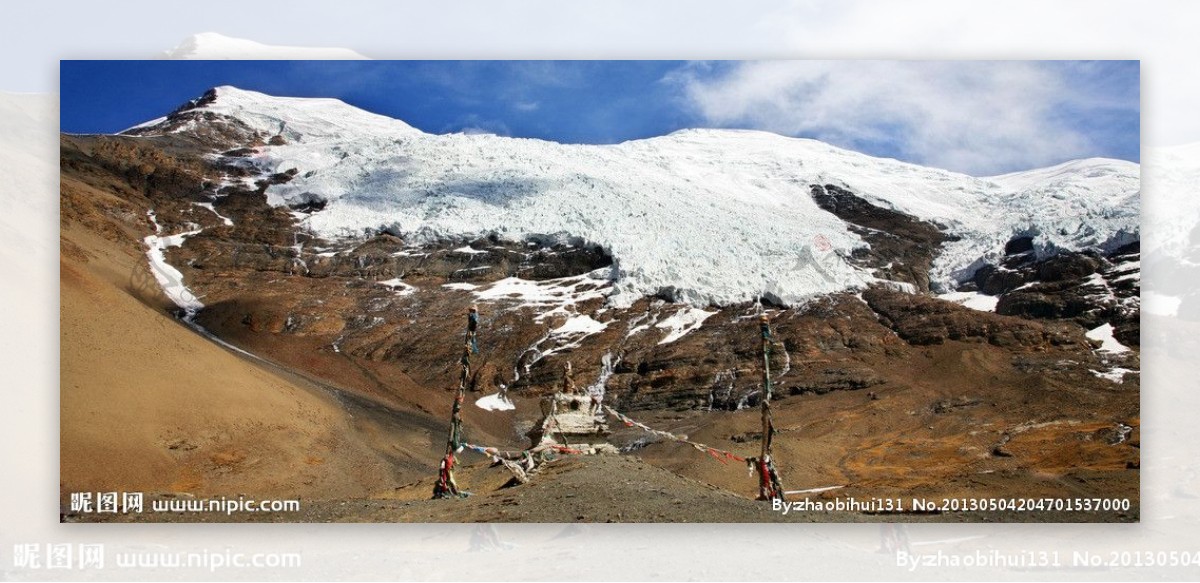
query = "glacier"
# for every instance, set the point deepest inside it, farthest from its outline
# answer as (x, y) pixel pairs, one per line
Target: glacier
(707, 217)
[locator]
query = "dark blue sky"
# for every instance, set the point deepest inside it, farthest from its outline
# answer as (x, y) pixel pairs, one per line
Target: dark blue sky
(581, 101)
(1093, 110)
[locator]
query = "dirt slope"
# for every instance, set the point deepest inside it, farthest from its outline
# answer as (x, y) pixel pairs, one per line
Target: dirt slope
(149, 405)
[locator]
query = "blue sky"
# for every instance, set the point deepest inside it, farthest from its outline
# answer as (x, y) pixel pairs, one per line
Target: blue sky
(978, 117)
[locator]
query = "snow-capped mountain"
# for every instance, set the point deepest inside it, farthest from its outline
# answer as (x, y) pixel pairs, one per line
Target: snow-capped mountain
(232, 210)
(706, 216)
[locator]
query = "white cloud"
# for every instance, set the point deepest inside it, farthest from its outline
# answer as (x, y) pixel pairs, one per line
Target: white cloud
(977, 117)
(1161, 34)
(474, 124)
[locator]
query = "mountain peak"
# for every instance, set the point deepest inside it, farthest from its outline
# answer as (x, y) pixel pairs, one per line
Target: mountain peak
(294, 118)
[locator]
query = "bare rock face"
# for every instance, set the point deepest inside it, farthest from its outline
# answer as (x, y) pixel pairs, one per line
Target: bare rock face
(1088, 288)
(203, 129)
(994, 281)
(923, 320)
(902, 247)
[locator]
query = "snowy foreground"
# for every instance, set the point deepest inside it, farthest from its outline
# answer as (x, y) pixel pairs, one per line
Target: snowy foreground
(712, 217)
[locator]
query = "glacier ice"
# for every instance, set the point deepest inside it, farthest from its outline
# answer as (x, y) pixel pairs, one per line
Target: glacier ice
(707, 217)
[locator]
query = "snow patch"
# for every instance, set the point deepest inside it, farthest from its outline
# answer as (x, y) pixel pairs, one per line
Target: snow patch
(973, 300)
(1104, 334)
(408, 253)
(461, 286)
(209, 206)
(401, 288)
(560, 295)
(571, 334)
(682, 323)
(1116, 374)
(579, 325)
(496, 402)
(169, 278)
(636, 326)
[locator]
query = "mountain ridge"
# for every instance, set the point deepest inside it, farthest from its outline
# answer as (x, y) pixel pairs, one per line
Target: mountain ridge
(732, 205)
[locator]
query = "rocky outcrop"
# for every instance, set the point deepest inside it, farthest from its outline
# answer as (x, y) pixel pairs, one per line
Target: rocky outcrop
(1087, 288)
(902, 247)
(922, 320)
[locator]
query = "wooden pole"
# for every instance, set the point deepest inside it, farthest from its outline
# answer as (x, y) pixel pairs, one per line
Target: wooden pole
(769, 484)
(446, 486)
